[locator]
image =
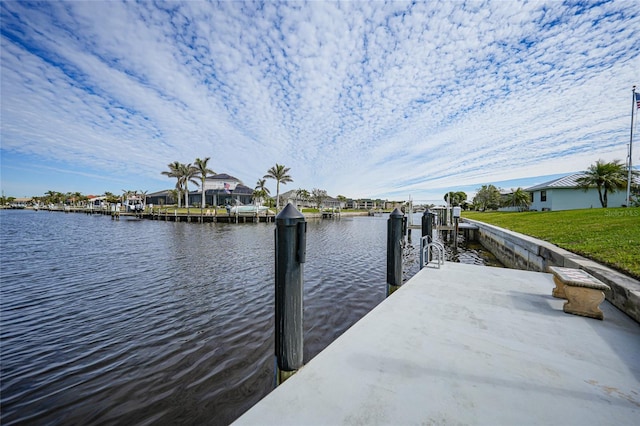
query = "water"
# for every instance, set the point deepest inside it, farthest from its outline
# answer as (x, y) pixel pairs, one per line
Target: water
(141, 322)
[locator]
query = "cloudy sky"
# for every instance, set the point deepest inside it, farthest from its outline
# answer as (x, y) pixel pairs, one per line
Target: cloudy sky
(360, 98)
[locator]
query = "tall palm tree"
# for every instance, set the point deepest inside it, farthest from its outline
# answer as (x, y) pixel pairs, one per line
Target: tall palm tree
(606, 177)
(175, 172)
(279, 173)
(202, 172)
(188, 173)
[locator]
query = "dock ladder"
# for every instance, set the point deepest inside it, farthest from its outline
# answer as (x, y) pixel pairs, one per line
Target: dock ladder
(431, 251)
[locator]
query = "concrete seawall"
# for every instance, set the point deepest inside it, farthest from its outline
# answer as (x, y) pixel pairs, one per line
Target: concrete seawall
(520, 251)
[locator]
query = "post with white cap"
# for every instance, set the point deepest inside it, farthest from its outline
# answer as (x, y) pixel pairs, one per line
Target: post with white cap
(290, 254)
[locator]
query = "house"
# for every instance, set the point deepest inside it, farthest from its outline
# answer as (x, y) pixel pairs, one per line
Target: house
(293, 198)
(364, 204)
(222, 189)
(161, 198)
(94, 201)
(565, 194)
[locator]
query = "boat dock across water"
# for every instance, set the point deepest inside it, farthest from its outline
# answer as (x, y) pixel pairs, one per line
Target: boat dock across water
(467, 344)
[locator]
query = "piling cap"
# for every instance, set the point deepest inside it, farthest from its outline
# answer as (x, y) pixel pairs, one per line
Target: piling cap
(289, 215)
(396, 212)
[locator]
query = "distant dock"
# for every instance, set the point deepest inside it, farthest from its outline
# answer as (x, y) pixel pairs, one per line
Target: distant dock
(169, 215)
(467, 344)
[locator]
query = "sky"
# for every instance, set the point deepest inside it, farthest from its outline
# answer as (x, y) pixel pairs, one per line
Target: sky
(366, 99)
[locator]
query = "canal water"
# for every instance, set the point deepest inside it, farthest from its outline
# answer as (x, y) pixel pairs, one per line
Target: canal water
(147, 322)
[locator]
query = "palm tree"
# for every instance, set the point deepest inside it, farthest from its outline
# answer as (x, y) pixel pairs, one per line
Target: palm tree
(607, 177)
(174, 194)
(110, 197)
(184, 173)
(455, 198)
(188, 173)
(261, 191)
(174, 172)
(302, 195)
(51, 197)
(202, 172)
(258, 195)
(342, 199)
(518, 198)
(279, 173)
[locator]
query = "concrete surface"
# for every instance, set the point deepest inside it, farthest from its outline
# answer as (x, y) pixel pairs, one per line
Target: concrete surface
(468, 344)
(520, 251)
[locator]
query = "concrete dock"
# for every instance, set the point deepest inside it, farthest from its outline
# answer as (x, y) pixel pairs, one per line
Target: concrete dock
(468, 344)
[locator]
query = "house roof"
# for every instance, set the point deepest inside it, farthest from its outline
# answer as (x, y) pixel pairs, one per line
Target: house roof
(289, 194)
(569, 181)
(163, 193)
(223, 176)
(240, 189)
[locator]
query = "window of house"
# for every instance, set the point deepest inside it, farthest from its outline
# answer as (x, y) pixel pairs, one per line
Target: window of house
(543, 195)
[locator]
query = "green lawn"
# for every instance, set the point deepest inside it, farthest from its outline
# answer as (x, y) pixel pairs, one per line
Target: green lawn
(609, 236)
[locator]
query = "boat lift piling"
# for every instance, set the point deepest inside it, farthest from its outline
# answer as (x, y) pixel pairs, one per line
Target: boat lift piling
(394, 250)
(290, 255)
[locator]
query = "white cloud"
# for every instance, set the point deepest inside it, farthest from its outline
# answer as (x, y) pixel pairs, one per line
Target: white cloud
(358, 98)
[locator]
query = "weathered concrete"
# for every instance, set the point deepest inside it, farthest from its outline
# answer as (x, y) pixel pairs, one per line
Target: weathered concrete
(521, 251)
(468, 344)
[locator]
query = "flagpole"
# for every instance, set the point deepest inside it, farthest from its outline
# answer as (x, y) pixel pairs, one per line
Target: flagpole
(633, 109)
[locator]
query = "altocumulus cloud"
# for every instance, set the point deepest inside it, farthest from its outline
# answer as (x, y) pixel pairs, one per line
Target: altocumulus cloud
(381, 99)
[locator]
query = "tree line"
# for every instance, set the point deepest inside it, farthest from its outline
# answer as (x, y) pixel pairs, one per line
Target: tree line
(606, 177)
(197, 173)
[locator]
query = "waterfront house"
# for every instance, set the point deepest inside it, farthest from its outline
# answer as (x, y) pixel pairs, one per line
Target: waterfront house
(161, 198)
(565, 194)
(293, 198)
(364, 204)
(222, 189)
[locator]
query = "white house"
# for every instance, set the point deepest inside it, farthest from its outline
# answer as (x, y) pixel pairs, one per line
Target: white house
(564, 194)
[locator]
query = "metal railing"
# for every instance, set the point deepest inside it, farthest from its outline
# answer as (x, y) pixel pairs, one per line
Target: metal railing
(431, 251)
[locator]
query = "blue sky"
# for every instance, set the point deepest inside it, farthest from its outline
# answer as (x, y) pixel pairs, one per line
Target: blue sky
(363, 99)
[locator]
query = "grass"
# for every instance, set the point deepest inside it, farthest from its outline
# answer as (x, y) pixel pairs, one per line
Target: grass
(608, 236)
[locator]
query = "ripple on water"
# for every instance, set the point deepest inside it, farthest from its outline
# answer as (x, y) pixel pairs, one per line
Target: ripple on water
(113, 322)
